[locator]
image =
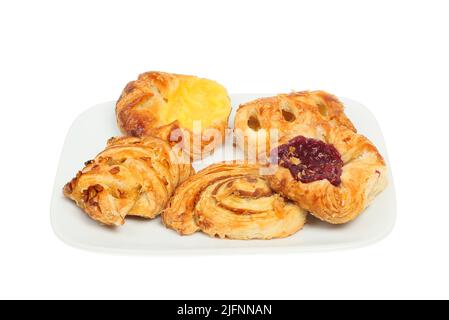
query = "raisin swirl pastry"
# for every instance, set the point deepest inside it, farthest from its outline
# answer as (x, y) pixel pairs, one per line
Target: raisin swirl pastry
(286, 114)
(157, 99)
(331, 171)
(132, 176)
(231, 200)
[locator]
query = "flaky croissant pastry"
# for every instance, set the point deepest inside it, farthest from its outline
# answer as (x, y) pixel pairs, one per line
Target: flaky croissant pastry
(330, 171)
(284, 114)
(200, 107)
(231, 200)
(132, 176)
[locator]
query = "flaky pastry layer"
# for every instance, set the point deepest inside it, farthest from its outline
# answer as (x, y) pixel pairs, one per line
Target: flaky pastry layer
(285, 114)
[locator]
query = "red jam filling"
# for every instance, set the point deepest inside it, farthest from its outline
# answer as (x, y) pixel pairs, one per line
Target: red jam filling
(310, 160)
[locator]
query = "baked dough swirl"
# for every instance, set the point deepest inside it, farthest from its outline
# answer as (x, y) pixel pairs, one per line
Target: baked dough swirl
(231, 200)
(132, 176)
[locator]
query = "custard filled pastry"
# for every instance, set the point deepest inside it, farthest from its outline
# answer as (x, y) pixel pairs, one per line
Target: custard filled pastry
(331, 171)
(261, 123)
(132, 176)
(200, 107)
(231, 200)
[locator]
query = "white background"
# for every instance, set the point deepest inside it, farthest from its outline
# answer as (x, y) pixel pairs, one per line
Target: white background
(57, 58)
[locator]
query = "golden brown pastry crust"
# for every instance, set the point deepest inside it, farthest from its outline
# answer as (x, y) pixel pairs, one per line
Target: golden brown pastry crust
(132, 176)
(143, 101)
(326, 104)
(363, 177)
(287, 113)
(231, 200)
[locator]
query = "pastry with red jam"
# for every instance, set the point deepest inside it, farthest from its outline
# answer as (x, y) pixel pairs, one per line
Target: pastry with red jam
(330, 171)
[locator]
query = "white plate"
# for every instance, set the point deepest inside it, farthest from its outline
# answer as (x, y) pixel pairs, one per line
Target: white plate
(88, 136)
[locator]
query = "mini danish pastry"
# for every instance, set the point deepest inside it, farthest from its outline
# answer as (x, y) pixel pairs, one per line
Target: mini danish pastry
(331, 171)
(231, 200)
(200, 107)
(282, 115)
(132, 176)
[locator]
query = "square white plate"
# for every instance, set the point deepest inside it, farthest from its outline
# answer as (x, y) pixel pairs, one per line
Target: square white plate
(88, 136)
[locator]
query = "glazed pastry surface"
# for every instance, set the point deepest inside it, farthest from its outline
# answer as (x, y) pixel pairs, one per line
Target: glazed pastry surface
(231, 200)
(285, 114)
(131, 177)
(327, 105)
(200, 107)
